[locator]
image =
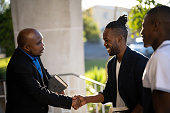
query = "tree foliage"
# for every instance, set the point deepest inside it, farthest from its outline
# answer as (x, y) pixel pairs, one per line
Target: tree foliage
(137, 14)
(91, 31)
(6, 30)
(3, 6)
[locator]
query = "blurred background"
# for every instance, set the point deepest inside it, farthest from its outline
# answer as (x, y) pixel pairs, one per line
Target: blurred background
(95, 15)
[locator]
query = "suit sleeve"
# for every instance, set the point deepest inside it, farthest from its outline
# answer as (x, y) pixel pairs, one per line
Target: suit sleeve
(29, 85)
(108, 88)
(140, 66)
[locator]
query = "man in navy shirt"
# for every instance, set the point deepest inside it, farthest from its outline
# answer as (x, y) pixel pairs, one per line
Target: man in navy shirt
(27, 79)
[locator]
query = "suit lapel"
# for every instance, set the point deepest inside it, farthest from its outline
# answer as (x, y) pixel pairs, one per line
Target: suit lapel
(123, 71)
(124, 64)
(45, 78)
(113, 73)
(38, 76)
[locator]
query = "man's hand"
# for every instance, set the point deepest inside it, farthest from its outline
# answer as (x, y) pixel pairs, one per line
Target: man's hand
(138, 109)
(82, 99)
(60, 93)
(76, 102)
(87, 99)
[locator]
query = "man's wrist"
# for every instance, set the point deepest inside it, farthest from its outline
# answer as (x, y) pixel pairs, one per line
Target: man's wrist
(86, 100)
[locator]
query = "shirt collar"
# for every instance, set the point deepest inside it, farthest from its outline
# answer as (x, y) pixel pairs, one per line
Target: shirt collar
(164, 43)
(31, 57)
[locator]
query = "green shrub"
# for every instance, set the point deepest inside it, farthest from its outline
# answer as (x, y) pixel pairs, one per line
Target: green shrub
(91, 63)
(97, 74)
(3, 65)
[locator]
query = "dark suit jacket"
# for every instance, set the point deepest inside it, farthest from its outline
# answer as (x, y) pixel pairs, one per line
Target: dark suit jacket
(130, 79)
(26, 91)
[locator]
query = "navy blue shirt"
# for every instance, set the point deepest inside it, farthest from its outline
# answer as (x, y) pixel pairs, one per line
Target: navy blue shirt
(35, 61)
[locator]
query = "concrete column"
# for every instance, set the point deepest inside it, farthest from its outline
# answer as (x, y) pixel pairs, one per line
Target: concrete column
(60, 22)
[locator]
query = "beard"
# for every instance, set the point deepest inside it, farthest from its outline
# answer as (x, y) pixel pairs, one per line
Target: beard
(34, 55)
(114, 50)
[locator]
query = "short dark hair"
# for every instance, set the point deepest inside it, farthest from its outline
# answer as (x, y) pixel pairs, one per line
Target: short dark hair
(160, 14)
(120, 24)
(159, 9)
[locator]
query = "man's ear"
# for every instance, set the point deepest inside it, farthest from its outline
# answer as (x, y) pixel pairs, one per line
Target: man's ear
(120, 38)
(156, 25)
(26, 48)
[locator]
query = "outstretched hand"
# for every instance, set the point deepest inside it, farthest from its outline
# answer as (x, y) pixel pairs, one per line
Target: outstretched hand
(83, 100)
(78, 101)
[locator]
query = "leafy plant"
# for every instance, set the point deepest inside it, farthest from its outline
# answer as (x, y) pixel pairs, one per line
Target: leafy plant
(137, 14)
(6, 32)
(3, 65)
(91, 31)
(3, 6)
(97, 74)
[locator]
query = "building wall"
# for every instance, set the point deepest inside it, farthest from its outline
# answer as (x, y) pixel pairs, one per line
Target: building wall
(105, 14)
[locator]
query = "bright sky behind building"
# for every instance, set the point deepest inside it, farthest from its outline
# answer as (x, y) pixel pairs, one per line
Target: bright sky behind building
(120, 3)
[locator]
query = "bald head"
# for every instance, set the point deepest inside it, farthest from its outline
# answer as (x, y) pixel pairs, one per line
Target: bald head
(26, 35)
(30, 40)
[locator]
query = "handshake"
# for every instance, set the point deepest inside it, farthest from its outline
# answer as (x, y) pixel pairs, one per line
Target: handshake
(78, 101)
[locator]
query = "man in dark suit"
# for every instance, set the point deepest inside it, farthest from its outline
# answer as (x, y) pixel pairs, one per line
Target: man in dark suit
(27, 79)
(125, 70)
